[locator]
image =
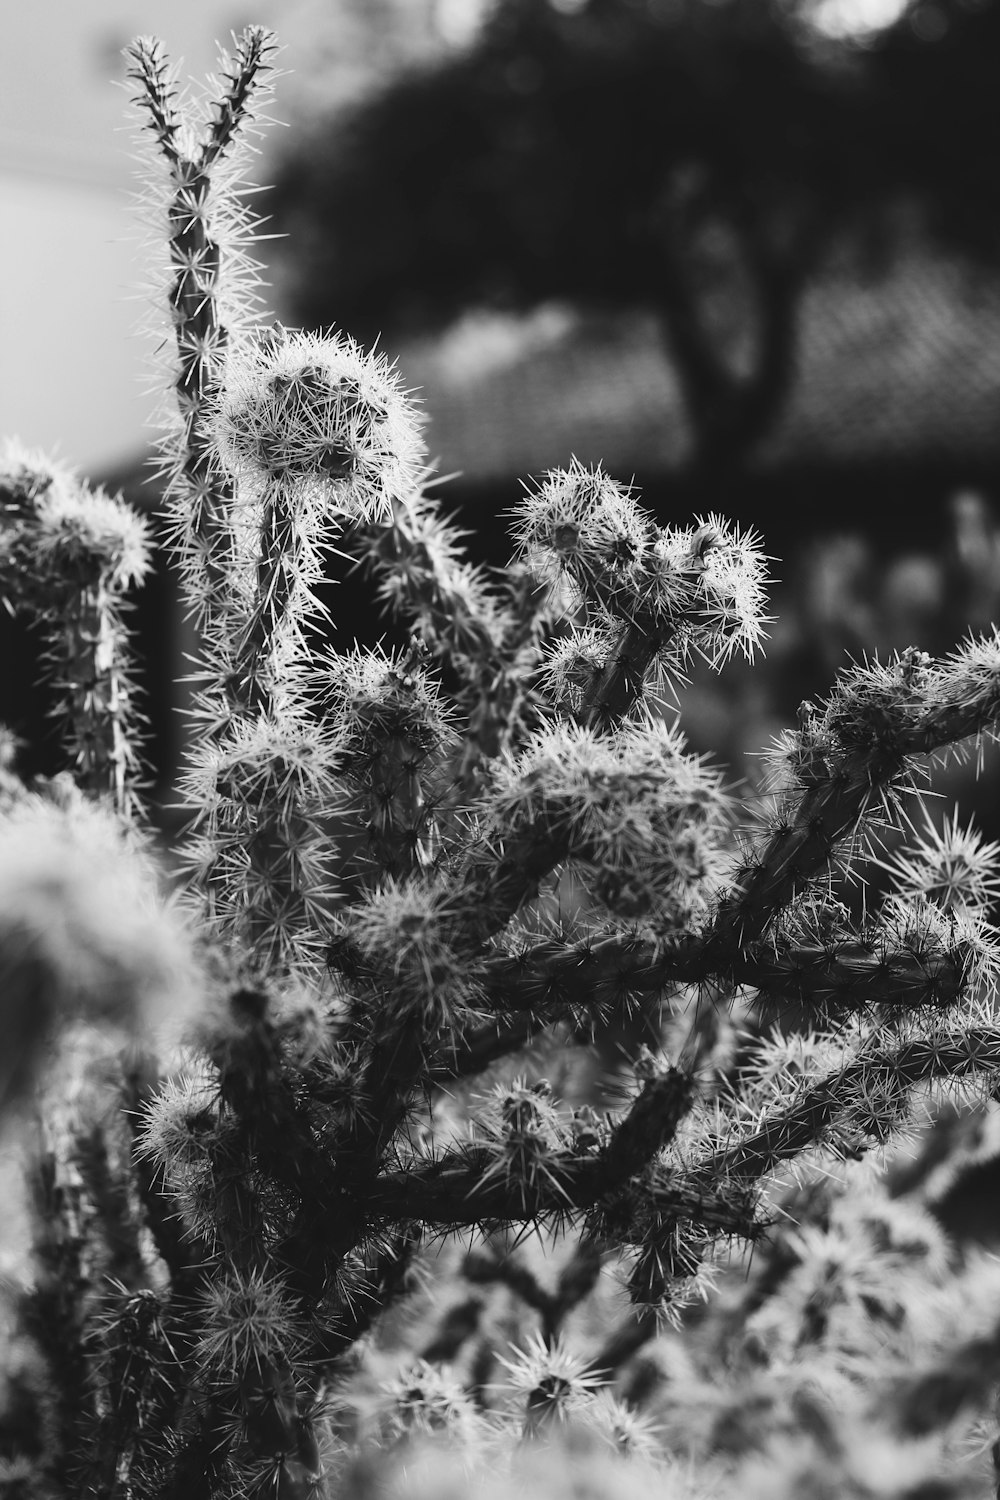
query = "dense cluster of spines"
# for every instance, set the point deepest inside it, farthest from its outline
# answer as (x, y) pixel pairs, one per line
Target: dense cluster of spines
(406, 868)
(68, 556)
(211, 277)
(644, 597)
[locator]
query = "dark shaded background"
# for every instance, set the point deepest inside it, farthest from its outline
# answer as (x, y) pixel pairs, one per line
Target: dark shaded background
(713, 164)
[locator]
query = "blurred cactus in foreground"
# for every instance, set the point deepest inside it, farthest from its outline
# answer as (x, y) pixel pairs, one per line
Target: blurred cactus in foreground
(357, 1230)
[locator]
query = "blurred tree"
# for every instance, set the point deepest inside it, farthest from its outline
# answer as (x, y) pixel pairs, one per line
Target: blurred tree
(675, 157)
(692, 158)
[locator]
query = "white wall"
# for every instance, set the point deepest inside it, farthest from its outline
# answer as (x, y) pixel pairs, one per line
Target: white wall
(69, 359)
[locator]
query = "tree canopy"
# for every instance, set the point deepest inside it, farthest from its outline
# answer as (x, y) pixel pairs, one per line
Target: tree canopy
(693, 158)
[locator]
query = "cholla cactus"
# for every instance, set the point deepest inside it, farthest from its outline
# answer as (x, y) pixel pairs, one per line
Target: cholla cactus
(68, 555)
(421, 882)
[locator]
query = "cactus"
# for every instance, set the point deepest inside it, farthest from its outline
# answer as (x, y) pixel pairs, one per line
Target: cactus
(358, 1223)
